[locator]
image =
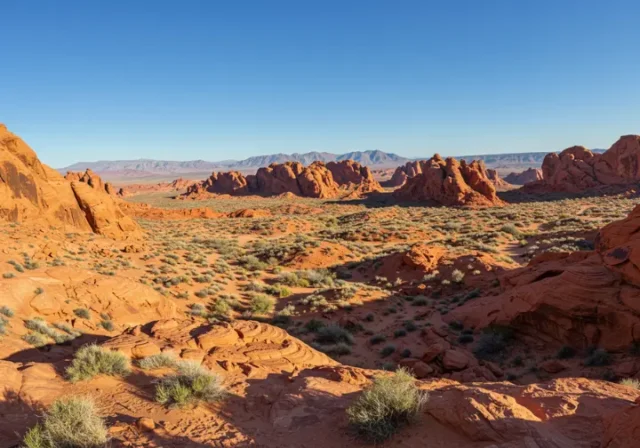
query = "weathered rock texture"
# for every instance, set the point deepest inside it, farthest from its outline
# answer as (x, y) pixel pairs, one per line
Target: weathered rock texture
(582, 299)
(352, 175)
(577, 169)
(449, 182)
(31, 191)
(315, 181)
(525, 177)
(402, 173)
(92, 179)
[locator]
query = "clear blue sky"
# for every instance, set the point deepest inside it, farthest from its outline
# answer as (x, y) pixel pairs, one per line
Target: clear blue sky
(179, 80)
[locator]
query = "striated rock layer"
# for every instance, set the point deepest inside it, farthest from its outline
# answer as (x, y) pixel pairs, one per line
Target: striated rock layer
(31, 191)
(450, 182)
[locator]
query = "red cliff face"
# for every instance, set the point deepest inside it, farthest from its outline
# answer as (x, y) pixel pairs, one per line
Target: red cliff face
(33, 192)
(496, 180)
(449, 182)
(577, 169)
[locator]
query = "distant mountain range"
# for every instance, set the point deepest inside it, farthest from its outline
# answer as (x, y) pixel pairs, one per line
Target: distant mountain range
(149, 168)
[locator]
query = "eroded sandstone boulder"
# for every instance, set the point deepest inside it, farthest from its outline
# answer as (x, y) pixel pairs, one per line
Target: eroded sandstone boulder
(352, 175)
(450, 182)
(577, 169)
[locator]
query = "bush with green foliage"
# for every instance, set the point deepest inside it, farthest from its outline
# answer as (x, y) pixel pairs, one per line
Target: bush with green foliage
(92, 360)
(190, 384)
(391, 402)
(261, 304)
(158, 361)
(69, 423)
(333, 334)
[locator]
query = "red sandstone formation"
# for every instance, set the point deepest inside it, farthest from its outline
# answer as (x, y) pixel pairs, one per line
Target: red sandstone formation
(577, 169)
(177, 185)
(232, 182)
(352, 175)
(402, 173)
(31, 191)
(449, 182)
(525, 177)
(581, 299)
(92, 179)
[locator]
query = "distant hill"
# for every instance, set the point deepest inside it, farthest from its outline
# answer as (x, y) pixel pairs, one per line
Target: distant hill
(149, 167)
(125, 170)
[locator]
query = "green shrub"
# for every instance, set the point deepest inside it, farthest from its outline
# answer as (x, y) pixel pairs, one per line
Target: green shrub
(6, 311)
(158, 361)
(69, 423)
(82, 313)
(92, 360)
(387, 350)
(334, 334)
(190, 384)
(392, 401)
(261, 304)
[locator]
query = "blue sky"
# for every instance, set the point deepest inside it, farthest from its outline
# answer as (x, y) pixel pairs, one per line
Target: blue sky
(213, 80)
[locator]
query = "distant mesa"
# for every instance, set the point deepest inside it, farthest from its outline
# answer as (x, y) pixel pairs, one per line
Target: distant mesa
(578, 169)
(318, 180)
(527, 176)
(448, 182)
(32, 192)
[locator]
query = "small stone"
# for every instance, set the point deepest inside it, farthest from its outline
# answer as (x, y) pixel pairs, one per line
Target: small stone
(145, 424)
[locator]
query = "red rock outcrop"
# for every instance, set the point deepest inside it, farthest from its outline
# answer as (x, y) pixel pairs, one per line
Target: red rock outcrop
(580, 299)
(314, 181)
(577, 169)
(231, 182)
(449, 182)
(497, 181)
(525, 177)
(31, 191)
(92, 179)
(402, 173)
(177, 185)
(352, 175)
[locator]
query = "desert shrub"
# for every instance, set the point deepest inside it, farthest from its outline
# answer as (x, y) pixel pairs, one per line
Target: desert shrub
(333, 334)
(35, 339)
(8, 275)
(83, 313)
(493, 341)
(190, 384)
(6, 311)
(631, 382)
(314, 325)
(69, 423)
(377, 339)
(158, 361)
(387, 350)
(107, 325)
(598, 357)
(391, 402)
(339, 349)
(457, 276)
(261, 304)
(92, 360)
